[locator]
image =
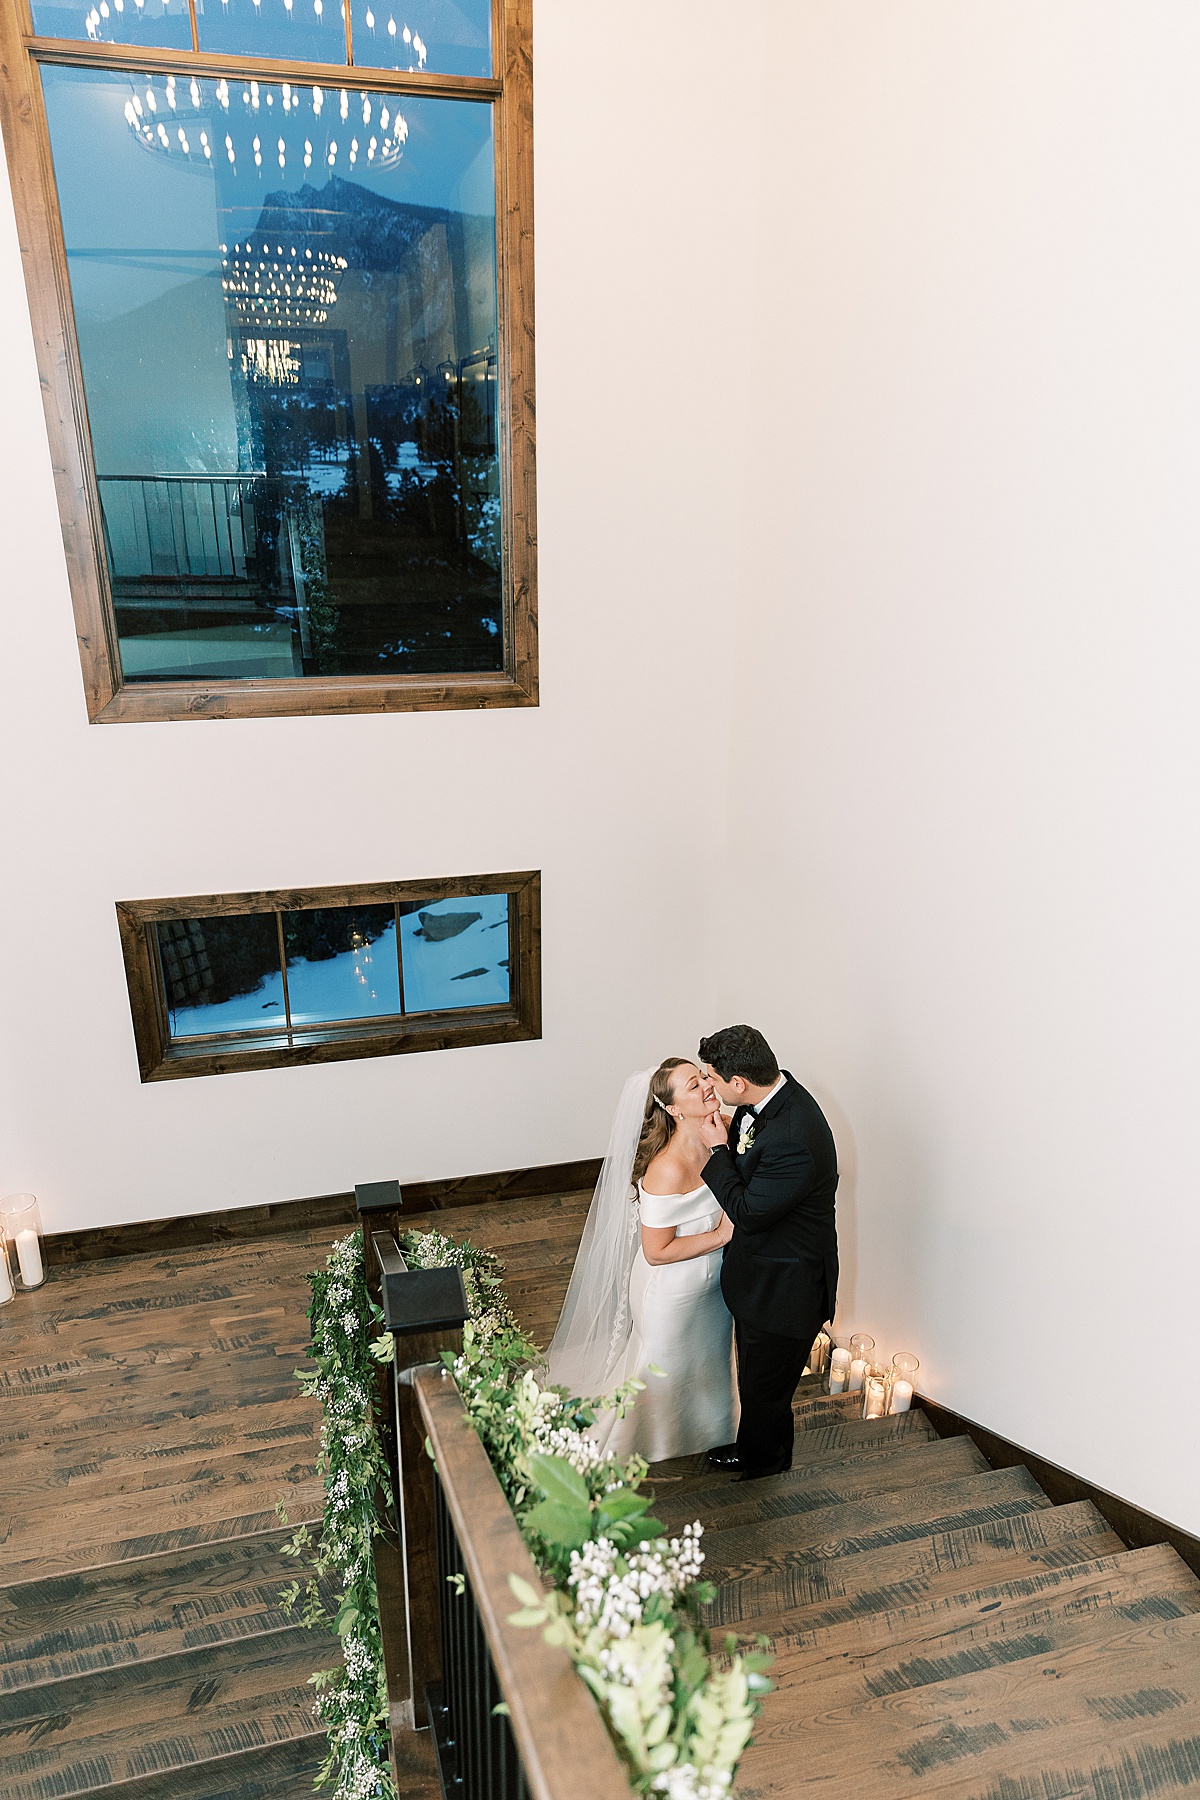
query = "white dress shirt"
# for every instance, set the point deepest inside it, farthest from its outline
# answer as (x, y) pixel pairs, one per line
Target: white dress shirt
(767, 1098)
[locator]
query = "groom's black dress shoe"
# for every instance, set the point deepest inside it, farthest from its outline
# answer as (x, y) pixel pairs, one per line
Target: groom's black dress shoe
(725, 1456)
(761, 1474)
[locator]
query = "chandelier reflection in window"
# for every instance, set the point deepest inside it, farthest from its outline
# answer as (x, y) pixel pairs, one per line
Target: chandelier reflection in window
(247, 125)
(103, 21)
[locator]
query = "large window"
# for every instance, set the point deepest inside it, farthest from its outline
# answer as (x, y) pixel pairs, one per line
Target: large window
(279, 265)
(254, 981)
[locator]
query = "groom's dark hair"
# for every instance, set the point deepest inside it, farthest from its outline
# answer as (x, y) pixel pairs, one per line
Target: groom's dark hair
(740, 1050)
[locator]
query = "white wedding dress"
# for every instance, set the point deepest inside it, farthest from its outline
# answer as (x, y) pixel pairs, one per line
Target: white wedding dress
(681, 1325)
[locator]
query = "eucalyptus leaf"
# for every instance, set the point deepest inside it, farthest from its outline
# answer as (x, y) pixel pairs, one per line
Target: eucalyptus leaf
(558, 1480)
(570, 1527)
(524, 1591)
(646, 1529)
(624, 1504)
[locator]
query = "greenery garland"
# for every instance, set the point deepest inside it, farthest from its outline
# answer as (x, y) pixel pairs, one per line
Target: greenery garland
(624, 1600)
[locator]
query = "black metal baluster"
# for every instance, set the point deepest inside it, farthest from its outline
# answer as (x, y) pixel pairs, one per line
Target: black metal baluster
(478, 1753)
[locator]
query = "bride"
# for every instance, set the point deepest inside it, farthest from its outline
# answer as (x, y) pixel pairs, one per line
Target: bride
(645, 1291)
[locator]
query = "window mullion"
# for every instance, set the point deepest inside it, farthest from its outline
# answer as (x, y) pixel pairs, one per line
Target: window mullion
(399, 960)
(287, 1005)
(211, 65)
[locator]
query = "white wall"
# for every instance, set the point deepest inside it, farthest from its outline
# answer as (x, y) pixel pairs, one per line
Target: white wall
(869, 374)
(967, 676)
(598, 787)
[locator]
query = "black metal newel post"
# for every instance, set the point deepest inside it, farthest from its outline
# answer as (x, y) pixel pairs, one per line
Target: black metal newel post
(425, 1310)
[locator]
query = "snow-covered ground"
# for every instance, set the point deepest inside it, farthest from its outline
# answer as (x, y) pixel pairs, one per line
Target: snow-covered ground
(358, 984)
(248, 1012)
(444, 975)
(464, 970)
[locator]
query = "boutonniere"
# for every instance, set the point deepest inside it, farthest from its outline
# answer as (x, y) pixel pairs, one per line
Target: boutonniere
(746, 1134)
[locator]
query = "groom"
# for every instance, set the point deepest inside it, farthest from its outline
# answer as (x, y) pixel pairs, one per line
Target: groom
(774, 1171)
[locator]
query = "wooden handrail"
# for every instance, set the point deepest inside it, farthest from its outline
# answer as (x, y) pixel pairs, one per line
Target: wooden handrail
(565, 1750)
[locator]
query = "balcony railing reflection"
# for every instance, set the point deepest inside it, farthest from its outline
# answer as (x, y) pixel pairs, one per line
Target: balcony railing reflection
(195, 551)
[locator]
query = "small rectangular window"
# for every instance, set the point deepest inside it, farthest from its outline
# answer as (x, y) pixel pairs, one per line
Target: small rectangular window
(256, 981)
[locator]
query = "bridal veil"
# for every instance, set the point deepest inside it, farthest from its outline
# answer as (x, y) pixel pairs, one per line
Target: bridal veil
(595, 1325)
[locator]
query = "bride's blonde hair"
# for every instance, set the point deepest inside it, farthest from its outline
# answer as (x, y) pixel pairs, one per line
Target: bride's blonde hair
(658, 1125)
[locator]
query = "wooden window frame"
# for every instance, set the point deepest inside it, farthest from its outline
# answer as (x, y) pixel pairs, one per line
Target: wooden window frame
(161, 1060)
(109, 698)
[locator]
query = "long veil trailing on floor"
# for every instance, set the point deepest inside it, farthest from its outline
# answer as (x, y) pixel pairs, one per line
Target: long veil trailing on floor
(595, 1324)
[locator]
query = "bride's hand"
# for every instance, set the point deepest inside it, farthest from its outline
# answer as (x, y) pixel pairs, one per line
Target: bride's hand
(724, 1229)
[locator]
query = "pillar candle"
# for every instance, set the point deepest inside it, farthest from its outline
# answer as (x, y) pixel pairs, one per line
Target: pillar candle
(839, 1369)
(856, 1374)
(902, 1394)
(874, 1398)
(29, 1255)
(6, 1286)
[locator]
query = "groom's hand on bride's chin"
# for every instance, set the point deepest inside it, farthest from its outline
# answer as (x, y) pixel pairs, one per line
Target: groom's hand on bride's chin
(714, 1131)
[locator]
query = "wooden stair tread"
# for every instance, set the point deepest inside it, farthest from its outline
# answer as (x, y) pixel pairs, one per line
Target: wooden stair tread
(812, 1411)
(61, 1738)
(1107, 1686)
(137, 1611)
(54, 1396)
(172, 1507)
(1158, 1758)
(90, 1476)
(304, 1506)
(828, 1483)
(286, 1461)
(283, 1771)
(767, 1524)
(799, 1594)
(149, 1431)
(836, 1442)
(917, 1646)
(52, 1462)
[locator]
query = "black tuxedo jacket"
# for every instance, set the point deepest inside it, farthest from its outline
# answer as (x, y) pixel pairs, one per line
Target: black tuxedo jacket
(780, 1268)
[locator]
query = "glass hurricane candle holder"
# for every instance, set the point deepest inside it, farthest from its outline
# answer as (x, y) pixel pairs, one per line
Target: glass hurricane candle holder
(818, 1356)
(874, 1392)
(839, 1371)
(902, 1381)
(7, 1289)
(21, 1224)
(862, 1350)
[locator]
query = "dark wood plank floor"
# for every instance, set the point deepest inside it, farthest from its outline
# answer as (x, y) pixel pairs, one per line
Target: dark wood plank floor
(535, 1239)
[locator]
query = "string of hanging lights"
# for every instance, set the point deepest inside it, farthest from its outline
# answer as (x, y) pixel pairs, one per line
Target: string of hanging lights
(265, 123)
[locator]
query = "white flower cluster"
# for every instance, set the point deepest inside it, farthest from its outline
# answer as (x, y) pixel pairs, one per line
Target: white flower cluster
(581, 1451)
(358, 1658)
(614, 1603)
(361, 1778)
(683, 1781)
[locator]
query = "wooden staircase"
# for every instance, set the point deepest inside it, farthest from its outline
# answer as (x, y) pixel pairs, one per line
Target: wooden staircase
(940, 1627)
(151, 1420)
